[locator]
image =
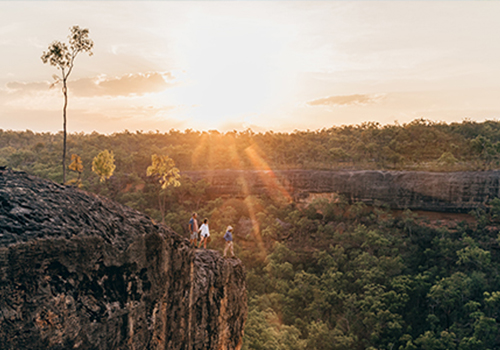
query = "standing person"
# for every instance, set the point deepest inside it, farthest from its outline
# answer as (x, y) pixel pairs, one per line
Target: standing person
(228, 236)
(193, 230)
(204, 233)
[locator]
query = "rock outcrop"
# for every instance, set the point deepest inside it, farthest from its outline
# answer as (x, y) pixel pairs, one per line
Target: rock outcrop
(78, 271)
(442, 192)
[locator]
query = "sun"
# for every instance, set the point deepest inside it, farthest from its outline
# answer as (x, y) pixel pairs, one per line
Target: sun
(232, 69)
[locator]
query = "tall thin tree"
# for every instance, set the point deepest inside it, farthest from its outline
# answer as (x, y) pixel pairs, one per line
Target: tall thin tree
(63, 57)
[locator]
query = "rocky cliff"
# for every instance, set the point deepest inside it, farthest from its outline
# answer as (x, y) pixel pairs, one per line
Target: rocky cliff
(78, 271)
(444, 192)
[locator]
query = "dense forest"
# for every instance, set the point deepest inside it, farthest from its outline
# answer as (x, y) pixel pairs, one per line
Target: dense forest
(328, 274)
(419, 145)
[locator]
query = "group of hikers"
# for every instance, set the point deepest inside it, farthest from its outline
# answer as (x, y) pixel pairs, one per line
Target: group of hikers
(204, 232)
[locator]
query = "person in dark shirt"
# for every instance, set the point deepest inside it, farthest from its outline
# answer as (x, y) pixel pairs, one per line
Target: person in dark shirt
(193, 230)
(228, 237)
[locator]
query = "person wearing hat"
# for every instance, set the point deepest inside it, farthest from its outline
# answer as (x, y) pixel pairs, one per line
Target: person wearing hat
(228, 236)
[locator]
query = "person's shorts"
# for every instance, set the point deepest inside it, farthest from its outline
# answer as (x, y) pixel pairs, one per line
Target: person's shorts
(194, 235)
(205, 235)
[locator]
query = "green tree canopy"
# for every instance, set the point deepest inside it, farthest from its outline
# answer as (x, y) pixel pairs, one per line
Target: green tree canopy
(163, 167)
(76, 163)
(104, 165)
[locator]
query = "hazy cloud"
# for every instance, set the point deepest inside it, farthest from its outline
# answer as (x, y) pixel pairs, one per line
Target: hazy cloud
(126, 85)
(15, 86)
(104, 119)
(347, 100)
(131, 84)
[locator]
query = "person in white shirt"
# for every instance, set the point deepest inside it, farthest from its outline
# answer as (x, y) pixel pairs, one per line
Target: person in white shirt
(204, 233)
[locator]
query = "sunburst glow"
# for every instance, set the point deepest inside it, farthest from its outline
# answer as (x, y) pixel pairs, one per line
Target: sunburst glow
(233, 68)
(263, 65)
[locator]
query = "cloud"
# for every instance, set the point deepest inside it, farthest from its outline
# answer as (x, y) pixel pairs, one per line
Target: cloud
(15, 86)
(105, 119)
(131, 84)
(347, 100)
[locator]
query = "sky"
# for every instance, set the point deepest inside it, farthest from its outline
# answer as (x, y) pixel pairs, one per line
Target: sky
(260, 65)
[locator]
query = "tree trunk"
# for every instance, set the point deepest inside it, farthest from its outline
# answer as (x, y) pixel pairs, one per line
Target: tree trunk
(65, 93)
(161, 205)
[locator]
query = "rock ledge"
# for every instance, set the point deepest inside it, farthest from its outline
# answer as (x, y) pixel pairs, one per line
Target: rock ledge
(78, 271)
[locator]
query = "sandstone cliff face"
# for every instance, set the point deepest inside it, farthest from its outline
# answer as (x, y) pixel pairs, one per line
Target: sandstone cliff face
(81, 272)
(444, 192)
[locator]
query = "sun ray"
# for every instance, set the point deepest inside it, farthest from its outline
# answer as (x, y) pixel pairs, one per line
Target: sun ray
(198, 151)
(246, 191)
(267, 175)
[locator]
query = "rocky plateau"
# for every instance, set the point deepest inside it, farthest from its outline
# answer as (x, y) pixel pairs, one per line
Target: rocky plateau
(78, 271)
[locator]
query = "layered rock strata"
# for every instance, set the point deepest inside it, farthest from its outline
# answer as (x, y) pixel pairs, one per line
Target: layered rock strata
(431, 191)
(78, 271)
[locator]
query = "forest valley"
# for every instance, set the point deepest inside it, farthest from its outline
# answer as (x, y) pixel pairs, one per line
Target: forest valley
(327, 274)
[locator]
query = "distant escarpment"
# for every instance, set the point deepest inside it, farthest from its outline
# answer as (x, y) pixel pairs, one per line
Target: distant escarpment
(431, 191)
(78, 271)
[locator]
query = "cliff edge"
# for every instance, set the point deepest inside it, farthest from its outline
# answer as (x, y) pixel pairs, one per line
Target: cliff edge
(457, 192)
(78, 271)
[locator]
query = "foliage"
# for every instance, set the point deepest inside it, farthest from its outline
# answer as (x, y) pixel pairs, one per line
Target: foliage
(76, 163)
(163, 167)
(104, 165)
(365, 282)
(447, 158)
(419, 145)
(329, 274)
(62, 57)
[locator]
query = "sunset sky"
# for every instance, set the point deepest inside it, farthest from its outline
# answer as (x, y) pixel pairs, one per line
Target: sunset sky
(264, 65)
